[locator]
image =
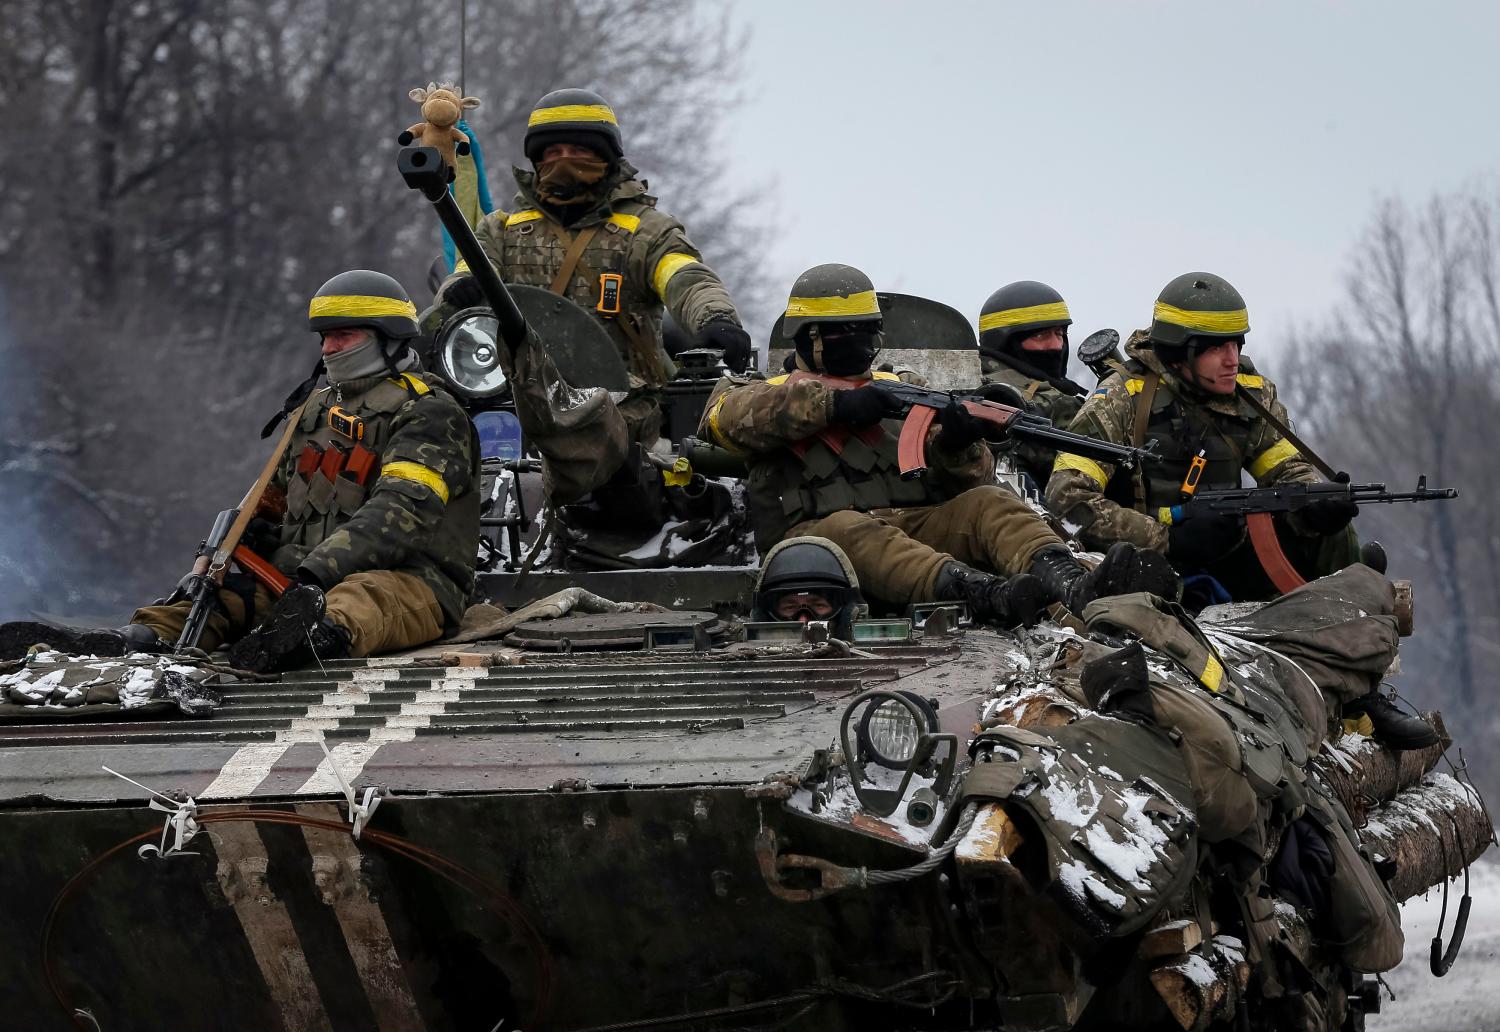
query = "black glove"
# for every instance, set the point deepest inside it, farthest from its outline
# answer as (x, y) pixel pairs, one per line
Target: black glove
(961, 428)
(863, 405)
(463, 292)
(730, 339)
(1200, 540)
(1326, 516)
(1005, 394)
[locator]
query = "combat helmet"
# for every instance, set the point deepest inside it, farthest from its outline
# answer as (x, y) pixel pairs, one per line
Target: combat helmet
(573, 116)
(1197, 304)
(814, 565)
(1019, 309)
(361, 297)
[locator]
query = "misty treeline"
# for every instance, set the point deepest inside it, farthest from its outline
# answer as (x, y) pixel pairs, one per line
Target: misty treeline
(1402, 379)
(181, 175)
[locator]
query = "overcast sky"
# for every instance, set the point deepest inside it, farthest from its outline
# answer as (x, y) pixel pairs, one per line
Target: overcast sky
(1105, 147)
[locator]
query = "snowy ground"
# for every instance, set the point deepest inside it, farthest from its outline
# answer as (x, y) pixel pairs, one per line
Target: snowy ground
(1467, 999)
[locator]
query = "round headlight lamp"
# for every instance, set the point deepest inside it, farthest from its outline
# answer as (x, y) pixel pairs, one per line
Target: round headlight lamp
(890, 730)
(468, 354)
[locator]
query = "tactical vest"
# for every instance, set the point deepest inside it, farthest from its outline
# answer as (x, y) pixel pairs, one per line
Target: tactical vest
(332, 474)
(1180, 429)
(836, 469)
(535, 249)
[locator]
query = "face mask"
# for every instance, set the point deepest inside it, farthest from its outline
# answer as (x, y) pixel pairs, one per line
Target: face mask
(569, 180)
(849, 354)
(355, 363)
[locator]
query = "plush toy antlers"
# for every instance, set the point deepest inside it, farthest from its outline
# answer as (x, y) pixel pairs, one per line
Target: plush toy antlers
(442, 107)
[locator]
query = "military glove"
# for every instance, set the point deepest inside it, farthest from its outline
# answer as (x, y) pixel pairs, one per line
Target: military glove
(1325, 516)
(864, 405)
(1005, 394)
(730, 339)
(960, 428)
(1200, 540)
(463, 292)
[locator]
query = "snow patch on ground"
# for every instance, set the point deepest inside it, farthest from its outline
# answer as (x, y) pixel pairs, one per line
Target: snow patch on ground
(1467, 999)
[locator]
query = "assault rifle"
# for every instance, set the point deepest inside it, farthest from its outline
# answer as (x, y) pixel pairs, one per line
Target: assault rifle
(1258, 505)
(921, 405)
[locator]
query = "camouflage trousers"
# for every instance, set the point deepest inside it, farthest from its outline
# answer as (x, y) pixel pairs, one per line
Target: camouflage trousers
(383, 611)
(897, 553)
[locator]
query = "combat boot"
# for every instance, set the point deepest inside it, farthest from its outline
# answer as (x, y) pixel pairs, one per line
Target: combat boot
(1125, 569)
(1400, 731)
(18, 636)
(294, 632)
(1372, 554)
(1007, 601)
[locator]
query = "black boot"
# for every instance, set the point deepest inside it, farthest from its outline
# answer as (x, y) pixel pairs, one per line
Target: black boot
(1125, 569)
(294, 632)
(17, 637)
(1400, 731)
(1372, 554)
(1007, 601)
(140, 638)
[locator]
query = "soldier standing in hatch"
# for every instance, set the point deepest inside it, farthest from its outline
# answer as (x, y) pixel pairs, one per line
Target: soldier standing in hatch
(583, 226)
(381, 525)
(822, 460)
(1023, 343)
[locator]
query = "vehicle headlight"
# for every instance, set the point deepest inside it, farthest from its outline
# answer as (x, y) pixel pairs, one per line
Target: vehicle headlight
(891, 729)
(468, 353)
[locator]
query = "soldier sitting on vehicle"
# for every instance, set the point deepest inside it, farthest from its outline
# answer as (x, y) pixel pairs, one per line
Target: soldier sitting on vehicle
(1023, 343)
(380, 544)
(583, 226)
(823, 462)
(1188, 389)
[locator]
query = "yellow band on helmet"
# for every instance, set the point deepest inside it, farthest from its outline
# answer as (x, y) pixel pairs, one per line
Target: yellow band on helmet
(862, 303)
(572, 113)
(1207, 322)
(1056, 310)
(359, 306)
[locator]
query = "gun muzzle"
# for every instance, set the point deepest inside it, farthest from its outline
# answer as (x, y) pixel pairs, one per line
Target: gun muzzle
(424, 169)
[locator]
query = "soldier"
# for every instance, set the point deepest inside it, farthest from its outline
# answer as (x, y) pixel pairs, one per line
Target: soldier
(823, 462)
(1023, 343)
(807, 579)
(380, 544)
(1187, 388)
(583, 226)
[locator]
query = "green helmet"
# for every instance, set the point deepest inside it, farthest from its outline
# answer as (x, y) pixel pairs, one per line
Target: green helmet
(830, 293)
(1198, 304)
(1018, 309)
(363, 298)
(573, 116)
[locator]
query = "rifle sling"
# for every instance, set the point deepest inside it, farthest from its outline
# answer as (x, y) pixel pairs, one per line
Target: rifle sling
(1143, 402)
(252, 497)
(571, 259)
(1286, 431)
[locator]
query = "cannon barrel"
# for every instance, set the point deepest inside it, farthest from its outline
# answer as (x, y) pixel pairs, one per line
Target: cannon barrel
(423, 169)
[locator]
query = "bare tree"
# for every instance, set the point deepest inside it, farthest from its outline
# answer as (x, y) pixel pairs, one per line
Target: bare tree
(195, 170)
(1403, 380)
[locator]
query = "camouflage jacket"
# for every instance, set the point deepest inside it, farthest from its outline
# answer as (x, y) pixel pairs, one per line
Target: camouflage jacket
(1110, 504)
(649, 249)
(1035, 459)
(803, 466)
(418, 509)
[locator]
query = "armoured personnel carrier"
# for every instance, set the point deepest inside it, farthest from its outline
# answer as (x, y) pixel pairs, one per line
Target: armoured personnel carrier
(625, 805)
